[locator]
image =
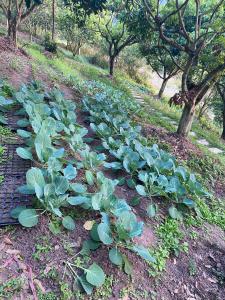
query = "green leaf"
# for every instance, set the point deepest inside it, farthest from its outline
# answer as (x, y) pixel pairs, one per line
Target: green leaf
(85, 251)
(174, 213)
(3, 120)
(135, 201)
(14, 213)
(87, 287)
(104, 233)
(131, 183)
(28, 218)
(61, 185)
(94, 233)
(93, 245)
(141, 190)
(23, 133)
(23, 123)
(54, 228)
(26, 190)
(128, 268)
(77, 200)
(68, 223)
(95, 275)
(70, 172)
(24, 153)
(122, 181)
(116, 257)
(190, 203)
(36, 180)
(78, 188)
(89, 177)
(144, 253)
(35, 177)
(151, 210)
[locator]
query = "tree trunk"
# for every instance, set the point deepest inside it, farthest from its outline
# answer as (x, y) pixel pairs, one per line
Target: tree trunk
(223, 133)
(12, 30)
(53, 19)
(162, 89)
(111, 65)
(186, 120)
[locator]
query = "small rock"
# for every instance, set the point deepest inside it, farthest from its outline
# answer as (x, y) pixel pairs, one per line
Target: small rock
(208, 266)
(216, 150)
(203, 142)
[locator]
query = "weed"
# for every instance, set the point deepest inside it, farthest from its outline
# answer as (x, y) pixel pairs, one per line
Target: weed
(5, 131)
(68, 247)
(192, 267)
(105, 291)
(41, 249)
(171, 238)
(171, 235)
(213, 213)
(11, 287)
(66, 293)
(47, 296)
(193, 235)
(15, 64)
(52, 274)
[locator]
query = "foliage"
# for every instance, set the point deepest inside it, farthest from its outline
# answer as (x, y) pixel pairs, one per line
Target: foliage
(110, 25)
(49, 44)
(156, 170)
(74, 35)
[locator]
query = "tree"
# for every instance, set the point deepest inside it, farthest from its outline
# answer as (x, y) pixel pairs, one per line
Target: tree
(161, 62)
(110, 24)
(74, 35)
(15, 12)
(220, 86)
(196, 28)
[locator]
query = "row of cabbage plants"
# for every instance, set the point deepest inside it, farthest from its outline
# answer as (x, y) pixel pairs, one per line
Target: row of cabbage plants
(56, 146)
(154, 172)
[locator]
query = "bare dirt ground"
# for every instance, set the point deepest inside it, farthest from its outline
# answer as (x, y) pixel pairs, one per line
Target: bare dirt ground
(197, 275)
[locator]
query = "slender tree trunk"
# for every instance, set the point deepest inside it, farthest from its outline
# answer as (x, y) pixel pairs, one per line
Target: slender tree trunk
(186, 120)
(162, 89)
(223, 133)
(53, 19)
(111, 65)
(12, 30)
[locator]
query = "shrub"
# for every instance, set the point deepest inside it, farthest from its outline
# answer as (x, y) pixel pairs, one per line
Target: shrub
(49, 44)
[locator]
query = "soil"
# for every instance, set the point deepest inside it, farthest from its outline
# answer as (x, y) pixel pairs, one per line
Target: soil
(181, 148)
(197, 275)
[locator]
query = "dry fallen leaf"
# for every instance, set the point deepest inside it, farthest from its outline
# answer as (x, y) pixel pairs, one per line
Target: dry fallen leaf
(89, 224)
(39, 284)
(213, 280)
(13, 251)
(7, 241)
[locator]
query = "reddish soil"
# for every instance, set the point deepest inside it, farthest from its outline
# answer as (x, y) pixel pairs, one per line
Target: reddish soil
(18, 245)
(181, 148)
